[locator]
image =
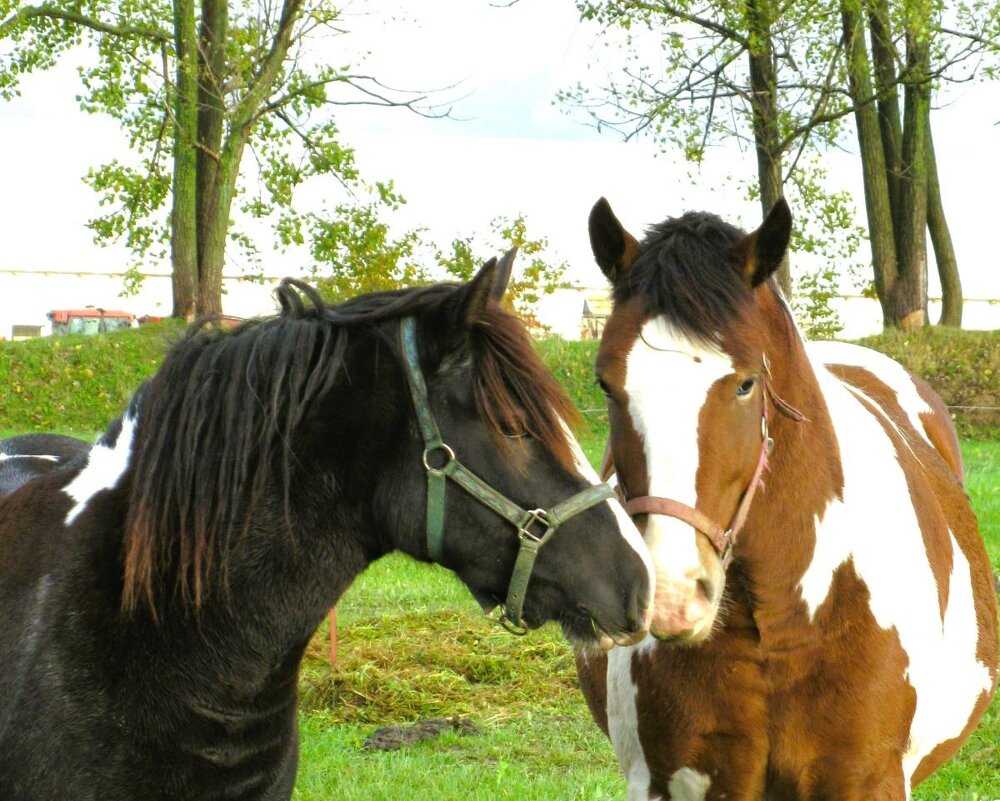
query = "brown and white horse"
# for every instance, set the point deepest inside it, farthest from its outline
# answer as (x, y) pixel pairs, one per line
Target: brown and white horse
(830, 598)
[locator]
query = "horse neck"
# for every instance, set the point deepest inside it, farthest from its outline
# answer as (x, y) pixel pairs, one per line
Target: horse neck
(278, 578)
(803, 475)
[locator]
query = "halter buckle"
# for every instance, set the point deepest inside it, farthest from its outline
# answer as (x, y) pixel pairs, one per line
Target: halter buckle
(524, 532)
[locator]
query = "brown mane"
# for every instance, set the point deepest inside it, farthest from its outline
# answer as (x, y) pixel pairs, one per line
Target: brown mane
(515, 394)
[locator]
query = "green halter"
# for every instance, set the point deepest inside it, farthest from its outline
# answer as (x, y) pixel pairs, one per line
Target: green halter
(548, 520)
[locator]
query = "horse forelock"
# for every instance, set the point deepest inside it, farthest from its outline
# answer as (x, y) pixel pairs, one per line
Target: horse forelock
(688, 272)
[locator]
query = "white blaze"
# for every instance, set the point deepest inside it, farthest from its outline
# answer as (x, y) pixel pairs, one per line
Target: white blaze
(667, 381)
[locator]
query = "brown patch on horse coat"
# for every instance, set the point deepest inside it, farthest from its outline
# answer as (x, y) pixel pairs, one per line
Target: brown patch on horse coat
(592, 670)
(939, 427)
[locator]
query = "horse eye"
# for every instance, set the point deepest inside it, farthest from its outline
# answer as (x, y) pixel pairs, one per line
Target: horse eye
(603, 386)
(744, 389)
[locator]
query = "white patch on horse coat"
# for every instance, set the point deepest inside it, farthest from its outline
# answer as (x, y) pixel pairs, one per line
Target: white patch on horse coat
(5, 456)
(885, 369)
(623, 723)
(625, 524)
(688, 784)
(667, 381)
(875, 526)
(105, 466)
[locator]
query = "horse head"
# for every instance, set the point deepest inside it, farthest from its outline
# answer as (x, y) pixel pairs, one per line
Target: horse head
(684, 365)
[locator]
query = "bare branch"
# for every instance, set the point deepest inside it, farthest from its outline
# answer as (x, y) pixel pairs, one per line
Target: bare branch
(973, 37)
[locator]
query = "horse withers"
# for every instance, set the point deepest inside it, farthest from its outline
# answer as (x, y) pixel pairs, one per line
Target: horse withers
(156, 597)
(830, 599)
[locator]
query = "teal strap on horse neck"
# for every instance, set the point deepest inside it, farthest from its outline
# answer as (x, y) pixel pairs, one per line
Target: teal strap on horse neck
(534, 528)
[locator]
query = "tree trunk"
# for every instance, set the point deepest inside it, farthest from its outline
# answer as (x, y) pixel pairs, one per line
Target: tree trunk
(764, 104)
(910, 293)
(219, 198)
(873, 167)
(183, 217)
(944, 250)
(884, 59)
(216, 229)
(211, 121)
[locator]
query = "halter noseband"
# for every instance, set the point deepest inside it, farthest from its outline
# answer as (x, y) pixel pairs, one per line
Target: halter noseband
(722, 539)
(526, 522)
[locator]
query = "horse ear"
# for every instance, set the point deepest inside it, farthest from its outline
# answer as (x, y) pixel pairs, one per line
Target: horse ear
(501, 278)
(487, 286)
(614, 248)
(762, 251)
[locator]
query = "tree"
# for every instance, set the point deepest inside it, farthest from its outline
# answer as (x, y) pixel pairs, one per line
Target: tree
(355, 250)
(775, 75)
(197, 86)
(729, 71)
(902, 192)
(536, 274)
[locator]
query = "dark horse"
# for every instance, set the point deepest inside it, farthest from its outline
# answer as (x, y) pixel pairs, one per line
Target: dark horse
(27, 456)
(822, 572)
(156, 598)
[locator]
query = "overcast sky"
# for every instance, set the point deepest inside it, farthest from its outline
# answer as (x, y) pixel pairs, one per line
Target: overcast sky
(509, 150)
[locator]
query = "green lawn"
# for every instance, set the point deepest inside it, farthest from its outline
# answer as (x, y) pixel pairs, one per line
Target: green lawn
(413, 646)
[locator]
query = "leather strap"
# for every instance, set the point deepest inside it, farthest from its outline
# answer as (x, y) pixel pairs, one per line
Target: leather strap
(441, 465)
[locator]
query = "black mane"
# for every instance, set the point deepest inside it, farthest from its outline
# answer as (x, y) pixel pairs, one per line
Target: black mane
(218, 421)
(689, 273)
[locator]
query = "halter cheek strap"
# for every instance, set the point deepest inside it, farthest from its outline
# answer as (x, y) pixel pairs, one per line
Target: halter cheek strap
(534, 527)
(722, 539)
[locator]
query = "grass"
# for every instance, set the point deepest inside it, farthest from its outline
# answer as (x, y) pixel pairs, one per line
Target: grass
(76, 384)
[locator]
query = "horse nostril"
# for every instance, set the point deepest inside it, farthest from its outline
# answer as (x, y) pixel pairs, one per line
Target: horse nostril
(705, 587)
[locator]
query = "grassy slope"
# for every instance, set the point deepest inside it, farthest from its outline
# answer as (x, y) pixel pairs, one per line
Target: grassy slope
(413, 644)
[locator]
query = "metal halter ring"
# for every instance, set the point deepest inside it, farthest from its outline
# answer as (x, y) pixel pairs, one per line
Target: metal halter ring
(511, 626)
(448, 452)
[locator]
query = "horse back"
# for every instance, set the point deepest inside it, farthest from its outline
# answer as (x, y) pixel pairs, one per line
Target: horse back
(900, 393)
(28, 456)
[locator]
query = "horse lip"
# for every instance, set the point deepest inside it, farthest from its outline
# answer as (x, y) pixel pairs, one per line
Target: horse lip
(608, 638)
